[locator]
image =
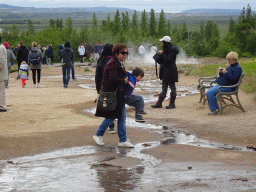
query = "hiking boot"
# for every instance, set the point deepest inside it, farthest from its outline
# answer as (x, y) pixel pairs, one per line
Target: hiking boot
(172, 101)
(159, 102)
(142, 113)
(125, 144)
(139, 119)
(214, 112)
(98, 140)
(171, 106)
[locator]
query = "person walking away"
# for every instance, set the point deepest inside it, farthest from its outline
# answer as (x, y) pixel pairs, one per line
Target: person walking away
(91, 52)
(48, 55)
(85, 52)
(153, 49)
(81, 52)
(113, 78)
(101, 63)
(100, 49)
(68, 59)
(3, 76)
(96, 52)
(10, 59)
(169, 73)
(229, 76)
(34, 62)
(60, 51)
(44, 58)
(23, 73)
(130, 99)
(22, 55)
(141, 51)
(50, 47)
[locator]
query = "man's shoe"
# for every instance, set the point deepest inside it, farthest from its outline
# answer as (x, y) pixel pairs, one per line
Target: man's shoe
(38, 85)
(139, 119)
(142, 113)
(98, 140)
(214, 112)
(171, 106)
(3, 110)
(111, 131)
(125, 144)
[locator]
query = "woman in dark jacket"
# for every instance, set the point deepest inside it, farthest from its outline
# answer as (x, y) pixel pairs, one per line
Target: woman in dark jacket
(101, 63)
(113, 78)
(168, 73)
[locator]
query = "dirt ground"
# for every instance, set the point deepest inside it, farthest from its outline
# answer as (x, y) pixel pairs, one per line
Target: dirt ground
(48, 118)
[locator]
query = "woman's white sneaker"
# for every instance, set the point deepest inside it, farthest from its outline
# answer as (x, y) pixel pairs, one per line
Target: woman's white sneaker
(125, 144)
(98, 140)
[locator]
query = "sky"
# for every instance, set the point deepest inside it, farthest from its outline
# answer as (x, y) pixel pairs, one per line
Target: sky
(168, 6)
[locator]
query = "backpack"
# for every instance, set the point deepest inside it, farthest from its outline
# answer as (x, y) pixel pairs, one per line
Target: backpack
(34, 58)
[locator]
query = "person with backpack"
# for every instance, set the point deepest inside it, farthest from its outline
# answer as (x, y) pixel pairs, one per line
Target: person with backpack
(34, 62)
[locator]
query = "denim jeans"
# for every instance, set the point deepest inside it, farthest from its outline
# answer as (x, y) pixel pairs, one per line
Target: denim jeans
(136, 101)
(121, 126)
(211, 96)
(66, 76)
(73, 71)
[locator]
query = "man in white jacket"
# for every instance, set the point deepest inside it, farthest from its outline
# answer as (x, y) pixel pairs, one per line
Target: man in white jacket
(3, 76)
(81, 51)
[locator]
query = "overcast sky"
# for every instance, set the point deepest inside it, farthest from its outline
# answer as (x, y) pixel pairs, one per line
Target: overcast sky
(169, 6)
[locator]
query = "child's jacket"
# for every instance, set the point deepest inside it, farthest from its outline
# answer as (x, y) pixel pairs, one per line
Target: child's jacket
(23, 71)
(129, 87)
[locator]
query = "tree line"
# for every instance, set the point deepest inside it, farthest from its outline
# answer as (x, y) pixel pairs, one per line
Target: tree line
(144, 28)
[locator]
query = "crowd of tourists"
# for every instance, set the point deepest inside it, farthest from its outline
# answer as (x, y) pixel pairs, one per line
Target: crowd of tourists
(110, 76)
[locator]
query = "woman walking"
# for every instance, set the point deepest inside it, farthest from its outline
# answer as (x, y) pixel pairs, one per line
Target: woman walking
(113, 78)
(34, 62)
(169, 73)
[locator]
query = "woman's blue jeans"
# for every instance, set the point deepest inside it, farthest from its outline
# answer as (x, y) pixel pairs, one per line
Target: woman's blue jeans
(211, 96)
(121, 126)
(66, 76)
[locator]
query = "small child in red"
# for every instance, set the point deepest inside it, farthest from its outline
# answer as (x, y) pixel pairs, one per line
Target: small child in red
(23, 73)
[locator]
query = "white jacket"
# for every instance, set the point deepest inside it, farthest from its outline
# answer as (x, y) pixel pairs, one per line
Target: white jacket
(3, 63)
(141, 50)
(81, 50)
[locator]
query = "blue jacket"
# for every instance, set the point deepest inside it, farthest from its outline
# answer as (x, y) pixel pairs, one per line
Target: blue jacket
(130, 86)
(60, 49)
(232, 76)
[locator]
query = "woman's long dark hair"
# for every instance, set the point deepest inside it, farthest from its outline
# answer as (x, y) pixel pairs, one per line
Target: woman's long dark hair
(166, 46)
(107, 51)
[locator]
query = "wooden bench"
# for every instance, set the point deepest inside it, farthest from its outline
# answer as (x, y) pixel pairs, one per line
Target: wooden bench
(223, 97)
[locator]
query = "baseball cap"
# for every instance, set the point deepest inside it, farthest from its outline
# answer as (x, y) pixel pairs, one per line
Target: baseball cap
(6, 45)
(166, 39)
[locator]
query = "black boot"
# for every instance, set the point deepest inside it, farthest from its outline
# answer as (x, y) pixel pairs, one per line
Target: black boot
(159, 102)
(172, 101)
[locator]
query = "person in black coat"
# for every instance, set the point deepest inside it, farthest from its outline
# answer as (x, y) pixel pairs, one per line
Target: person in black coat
(22, 55)
(168, 71)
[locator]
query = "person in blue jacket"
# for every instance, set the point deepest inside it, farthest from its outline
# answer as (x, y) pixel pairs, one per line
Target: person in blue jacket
(60, 51)
(130, 99)
(229, 76)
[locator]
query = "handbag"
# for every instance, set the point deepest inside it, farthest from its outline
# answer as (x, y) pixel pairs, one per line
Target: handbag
(107, 101)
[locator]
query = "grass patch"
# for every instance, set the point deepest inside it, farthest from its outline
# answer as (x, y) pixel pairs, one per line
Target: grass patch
(86, 69)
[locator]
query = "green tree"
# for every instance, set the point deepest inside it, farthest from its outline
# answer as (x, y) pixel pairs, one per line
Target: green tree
(52, 23)
(161, 24)
(169, 28)
(125, 22)
(117, 23)
(184, 31)
(144, 23)
(69, 27)
(152, 24)
(109, 23)
(94, 23)
(30, 27)
(232, 25)
(135, 26)
(202, 30)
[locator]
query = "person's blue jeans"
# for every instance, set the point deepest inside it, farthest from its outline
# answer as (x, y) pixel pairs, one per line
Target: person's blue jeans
(136, 101)
(73, 71)
(66, 76)
(211, 96)
(121, 126)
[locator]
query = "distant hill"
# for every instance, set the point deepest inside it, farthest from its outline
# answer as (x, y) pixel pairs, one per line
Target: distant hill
(222, 12)
(16, 9)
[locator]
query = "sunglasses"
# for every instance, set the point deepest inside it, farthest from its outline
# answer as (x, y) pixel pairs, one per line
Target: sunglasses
(124, 53)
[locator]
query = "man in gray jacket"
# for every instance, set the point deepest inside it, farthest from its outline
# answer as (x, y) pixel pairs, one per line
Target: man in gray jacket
(10, 59)
(3, 76)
